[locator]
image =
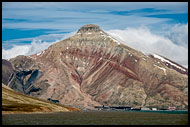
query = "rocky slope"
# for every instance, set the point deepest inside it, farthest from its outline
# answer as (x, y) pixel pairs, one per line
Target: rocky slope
(92, 68)
(7, 70)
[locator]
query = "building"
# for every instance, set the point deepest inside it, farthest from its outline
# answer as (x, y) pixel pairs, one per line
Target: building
(120, 107)
(172, 108)
(154, 109)
(145, 108)
(112, 107)
(135, 109)
(101, 107)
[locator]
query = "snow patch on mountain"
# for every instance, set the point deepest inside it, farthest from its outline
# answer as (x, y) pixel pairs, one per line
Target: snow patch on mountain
(164, 60)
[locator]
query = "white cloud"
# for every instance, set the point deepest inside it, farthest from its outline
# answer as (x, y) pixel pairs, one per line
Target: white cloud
(70, 16)
(144, 40)
(174, 6)
(179, 34)
(45, 19)
(37, 45)
(34, 47)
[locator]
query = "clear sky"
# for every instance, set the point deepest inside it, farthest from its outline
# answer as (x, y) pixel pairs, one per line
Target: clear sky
(154, 26)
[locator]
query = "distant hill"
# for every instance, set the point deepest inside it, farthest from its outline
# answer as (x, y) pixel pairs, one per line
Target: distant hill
(14, 102)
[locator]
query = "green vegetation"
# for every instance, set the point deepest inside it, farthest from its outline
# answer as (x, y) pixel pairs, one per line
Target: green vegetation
(96, 118)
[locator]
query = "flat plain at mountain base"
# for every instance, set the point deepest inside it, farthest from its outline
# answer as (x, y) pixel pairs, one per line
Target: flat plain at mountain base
(96, 118)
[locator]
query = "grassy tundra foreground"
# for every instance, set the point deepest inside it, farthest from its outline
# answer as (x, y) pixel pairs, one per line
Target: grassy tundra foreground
(96, 118)
(14, 102)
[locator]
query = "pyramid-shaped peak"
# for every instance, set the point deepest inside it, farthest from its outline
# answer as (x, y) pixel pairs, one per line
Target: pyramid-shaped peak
(89, 27)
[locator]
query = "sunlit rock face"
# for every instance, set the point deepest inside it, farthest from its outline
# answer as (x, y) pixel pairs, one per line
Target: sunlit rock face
(92, 68)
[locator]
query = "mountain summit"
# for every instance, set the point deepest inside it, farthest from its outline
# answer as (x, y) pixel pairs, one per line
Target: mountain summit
(89, 27)
(92, 68)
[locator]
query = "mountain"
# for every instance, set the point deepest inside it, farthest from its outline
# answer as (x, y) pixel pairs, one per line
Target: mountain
(7, 70)
(92, 68)
(14, 102)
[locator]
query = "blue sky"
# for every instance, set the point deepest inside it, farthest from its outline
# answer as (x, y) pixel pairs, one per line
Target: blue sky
(24, 22)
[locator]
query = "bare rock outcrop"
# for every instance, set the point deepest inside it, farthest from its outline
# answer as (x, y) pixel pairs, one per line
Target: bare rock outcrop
(7, 70)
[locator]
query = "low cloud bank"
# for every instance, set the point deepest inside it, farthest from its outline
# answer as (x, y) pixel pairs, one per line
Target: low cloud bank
(174, 46)
(36, 46)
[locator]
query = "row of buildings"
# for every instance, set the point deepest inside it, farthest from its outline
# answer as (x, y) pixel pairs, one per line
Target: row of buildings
(127, 108)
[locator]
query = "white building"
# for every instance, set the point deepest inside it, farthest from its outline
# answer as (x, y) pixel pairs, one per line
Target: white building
(145, 108)
(154, 109)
